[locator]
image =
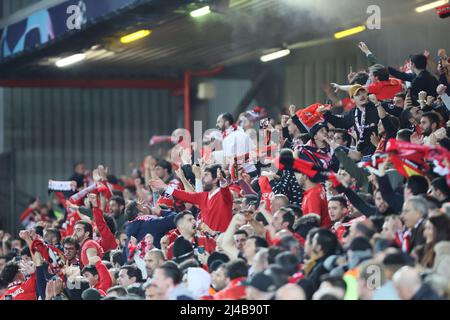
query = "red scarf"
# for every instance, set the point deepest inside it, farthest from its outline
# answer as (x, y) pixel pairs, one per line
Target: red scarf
(52, 255)
(266, 192)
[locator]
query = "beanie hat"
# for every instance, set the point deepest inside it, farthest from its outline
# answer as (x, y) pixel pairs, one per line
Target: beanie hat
(182, 249)
(315, 128)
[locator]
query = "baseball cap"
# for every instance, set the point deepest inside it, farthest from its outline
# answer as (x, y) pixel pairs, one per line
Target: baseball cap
(262, 282)
(355, 89)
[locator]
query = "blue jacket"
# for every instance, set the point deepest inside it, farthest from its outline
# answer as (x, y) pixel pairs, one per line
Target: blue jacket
(157, 227)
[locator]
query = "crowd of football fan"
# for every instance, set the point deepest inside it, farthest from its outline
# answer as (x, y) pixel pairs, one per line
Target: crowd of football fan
(343, 201)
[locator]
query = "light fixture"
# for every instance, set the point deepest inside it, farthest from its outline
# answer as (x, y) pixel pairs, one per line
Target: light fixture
(200, 12)
(65, 62)
(275, 55)
(349, 32)
(431, 5)
(135, 36)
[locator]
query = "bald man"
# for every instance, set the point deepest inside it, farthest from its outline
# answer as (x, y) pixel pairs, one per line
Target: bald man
(409, 285)
(290, 291)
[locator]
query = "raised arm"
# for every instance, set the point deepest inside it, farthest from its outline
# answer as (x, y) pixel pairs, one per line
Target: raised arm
(107, 241)
(186, 184)
(228, 242)
(190, 197)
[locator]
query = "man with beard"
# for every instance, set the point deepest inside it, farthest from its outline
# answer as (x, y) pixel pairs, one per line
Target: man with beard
(429, 123)
(215, 202)
(117, 210)
(89, 248)
(186, 225)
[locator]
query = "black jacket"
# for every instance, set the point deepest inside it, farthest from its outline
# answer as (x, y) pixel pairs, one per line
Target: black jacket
(417, 237)
(424, 81)
(317, 272)
(348, 121)
(288, 186)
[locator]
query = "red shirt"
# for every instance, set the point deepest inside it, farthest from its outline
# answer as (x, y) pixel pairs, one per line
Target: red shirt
(88, 244)
(215, 206)
(339, 231)
(208, 243)
(108, 240)
(315, 201)
(234, 291)
(104, 278)
(22, 291)
(385, 90)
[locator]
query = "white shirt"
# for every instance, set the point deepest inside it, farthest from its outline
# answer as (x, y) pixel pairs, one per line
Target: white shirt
(237, 143)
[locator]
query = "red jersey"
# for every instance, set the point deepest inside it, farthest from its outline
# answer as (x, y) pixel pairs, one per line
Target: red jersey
(315, 201)
(104, 278)
(385, 90)
(107, 240)
(22, 290)
(215, 207)
(88, 244)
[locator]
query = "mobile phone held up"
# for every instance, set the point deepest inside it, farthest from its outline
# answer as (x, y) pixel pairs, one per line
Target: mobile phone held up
(264, 123)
